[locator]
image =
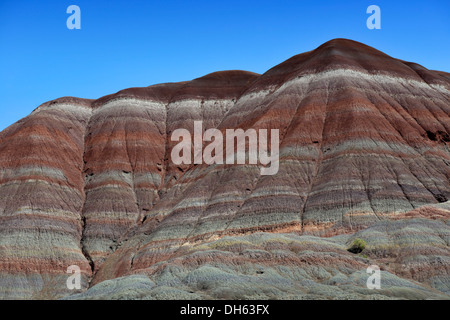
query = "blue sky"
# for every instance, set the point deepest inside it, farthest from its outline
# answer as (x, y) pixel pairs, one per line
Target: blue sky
(133, 43)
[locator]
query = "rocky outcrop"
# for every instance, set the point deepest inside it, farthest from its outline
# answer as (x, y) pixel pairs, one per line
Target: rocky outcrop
(364, 140)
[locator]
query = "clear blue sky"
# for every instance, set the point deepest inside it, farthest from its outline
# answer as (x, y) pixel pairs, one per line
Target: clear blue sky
(133, 43)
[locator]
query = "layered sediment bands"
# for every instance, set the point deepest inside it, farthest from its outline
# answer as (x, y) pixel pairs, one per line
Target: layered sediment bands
(355, 149)
(128, 145)
(412, 254)
(412, 248)
(41, 158)
(364, 138)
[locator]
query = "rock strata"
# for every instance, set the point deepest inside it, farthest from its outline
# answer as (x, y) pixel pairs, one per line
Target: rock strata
(364, 148)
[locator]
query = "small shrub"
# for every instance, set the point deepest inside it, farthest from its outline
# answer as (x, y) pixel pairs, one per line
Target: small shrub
(358, 246)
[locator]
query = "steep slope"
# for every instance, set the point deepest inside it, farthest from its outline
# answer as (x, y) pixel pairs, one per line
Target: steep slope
(363, 137)
(41, 197)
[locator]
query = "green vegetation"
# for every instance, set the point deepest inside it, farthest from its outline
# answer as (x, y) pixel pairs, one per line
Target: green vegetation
(358, 246)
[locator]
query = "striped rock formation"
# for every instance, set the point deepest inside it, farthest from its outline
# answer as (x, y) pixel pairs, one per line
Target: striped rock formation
(412, 255)
(364, 140)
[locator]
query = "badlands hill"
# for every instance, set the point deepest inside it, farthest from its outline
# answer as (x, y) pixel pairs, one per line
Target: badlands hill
(364, 153)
